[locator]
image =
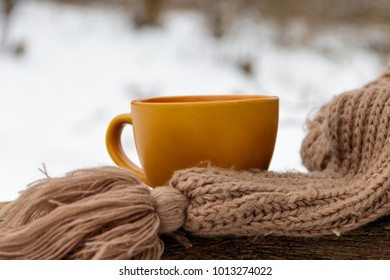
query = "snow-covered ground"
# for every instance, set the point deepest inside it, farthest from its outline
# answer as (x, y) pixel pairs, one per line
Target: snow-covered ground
(83, 66)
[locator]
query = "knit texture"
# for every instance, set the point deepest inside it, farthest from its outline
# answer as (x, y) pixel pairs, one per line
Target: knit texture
(107, 213)
(347, 152)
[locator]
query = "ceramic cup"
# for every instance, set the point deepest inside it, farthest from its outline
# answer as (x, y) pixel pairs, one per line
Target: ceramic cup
(178, 132)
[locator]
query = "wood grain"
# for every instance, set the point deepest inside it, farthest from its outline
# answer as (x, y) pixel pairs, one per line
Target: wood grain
(369, 242)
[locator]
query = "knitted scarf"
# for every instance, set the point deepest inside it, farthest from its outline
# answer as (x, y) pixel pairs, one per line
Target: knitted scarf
(107, 213)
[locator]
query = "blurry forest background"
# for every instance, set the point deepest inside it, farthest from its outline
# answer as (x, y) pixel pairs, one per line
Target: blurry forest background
(68, 66)
(296, 22)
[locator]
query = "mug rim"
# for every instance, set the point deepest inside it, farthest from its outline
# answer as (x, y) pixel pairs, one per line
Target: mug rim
(203, 99)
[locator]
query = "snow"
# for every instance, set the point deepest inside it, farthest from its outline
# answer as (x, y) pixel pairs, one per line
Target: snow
(83, 66)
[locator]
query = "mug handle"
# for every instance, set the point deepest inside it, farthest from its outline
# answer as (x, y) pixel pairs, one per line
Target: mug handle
(114, 145)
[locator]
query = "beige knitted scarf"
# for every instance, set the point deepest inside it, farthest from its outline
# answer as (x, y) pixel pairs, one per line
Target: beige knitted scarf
(107, 213)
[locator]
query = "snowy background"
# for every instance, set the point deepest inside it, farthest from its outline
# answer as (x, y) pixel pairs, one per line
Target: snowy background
(67, 70)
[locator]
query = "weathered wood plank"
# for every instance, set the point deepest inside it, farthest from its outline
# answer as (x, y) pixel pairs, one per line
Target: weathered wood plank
(369, 242)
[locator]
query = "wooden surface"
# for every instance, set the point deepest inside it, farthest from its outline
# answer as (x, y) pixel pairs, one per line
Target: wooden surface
(369, 242)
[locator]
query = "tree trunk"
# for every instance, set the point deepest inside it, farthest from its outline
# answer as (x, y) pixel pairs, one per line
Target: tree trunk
(8, 7)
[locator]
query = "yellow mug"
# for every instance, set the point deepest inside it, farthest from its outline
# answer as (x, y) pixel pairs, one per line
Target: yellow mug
(178, 132)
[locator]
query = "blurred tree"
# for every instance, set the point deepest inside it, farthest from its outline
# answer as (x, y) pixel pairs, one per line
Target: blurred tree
(216, 18)
(220, 15)
(148, 13)
(18, 49)
(7, 8)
